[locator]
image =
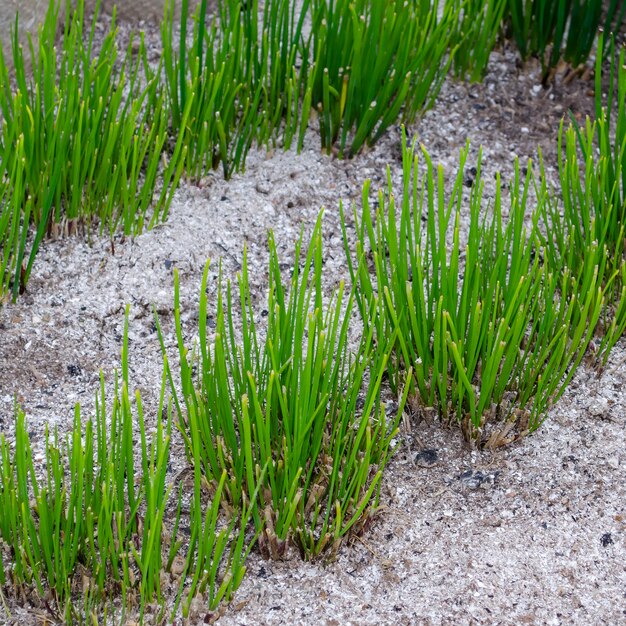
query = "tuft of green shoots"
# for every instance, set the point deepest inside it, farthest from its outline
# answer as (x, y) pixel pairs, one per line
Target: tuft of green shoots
(14, 219)
(372, 62)
(90, 517)
(479, 25)
(555, 29)
(81, 509)
(235, 81)
(91, 129)
(590, 212)
(84, 511)
(217, 550)
(360, 67)
(293, 415)
(493, 336)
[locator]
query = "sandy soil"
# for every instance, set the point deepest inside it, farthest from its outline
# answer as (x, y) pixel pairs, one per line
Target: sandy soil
(531, 534)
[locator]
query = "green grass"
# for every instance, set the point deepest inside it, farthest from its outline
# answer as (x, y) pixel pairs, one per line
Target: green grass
(107, 137)
(292, 401)
(475, 36)
(286, 419)
(589, 211)
(373, 63)
(361, 67)
(83, 514)
(86, 526)
(551, 30)
(13, 214)
(492, 335)
(561, 29)
(215, 89)
(92, 129)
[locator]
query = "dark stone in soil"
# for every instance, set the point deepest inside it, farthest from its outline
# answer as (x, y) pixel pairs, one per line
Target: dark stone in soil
(427, 457)
(74, 370)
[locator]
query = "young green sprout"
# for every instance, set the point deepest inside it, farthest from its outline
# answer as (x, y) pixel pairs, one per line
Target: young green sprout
(92, 516)
(92, 130)
(293, 400)
(493, 336)
(588, 218)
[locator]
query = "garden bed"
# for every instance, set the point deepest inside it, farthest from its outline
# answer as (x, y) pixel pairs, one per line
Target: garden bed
(531, 533)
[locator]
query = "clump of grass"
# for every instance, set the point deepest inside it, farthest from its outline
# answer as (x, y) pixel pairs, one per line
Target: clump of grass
(589, 212)
(361, 66)
(217, 550)
(202, 91)
(89, 520)
(89, 508)
(91, 128)
(492, 334)
(294, 415)
(235, 81)
(479, 24)
(555, 29)
(374, 61)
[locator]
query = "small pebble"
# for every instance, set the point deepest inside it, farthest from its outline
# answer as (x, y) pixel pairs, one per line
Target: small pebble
(599, 407)
(474, 479)
(263, 186)
(426, 458)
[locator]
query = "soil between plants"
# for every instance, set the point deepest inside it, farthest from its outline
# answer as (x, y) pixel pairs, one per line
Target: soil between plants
(531, 534)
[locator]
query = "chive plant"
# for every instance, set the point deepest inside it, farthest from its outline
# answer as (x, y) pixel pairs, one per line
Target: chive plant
(84, 511)
(361, 65)
(14, 219)
(293, 414)
(374, 61)
(555, 29)
(96, 508)
(216, 555)
(90, 127)
(583, 226)
(202, 90)
(479, 25)
(493, 336)
(234, 81)
(590, 211)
